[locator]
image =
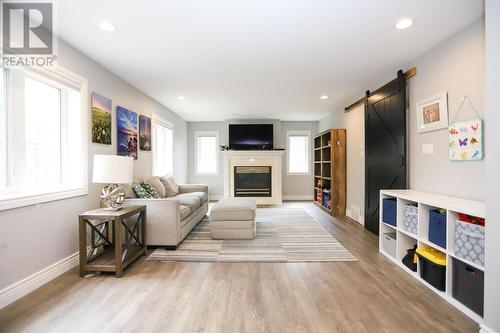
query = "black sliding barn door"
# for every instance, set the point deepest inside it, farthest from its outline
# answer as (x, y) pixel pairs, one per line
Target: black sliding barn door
(385, 145)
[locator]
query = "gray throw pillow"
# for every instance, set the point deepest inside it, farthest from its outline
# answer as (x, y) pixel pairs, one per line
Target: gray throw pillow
(170, 186)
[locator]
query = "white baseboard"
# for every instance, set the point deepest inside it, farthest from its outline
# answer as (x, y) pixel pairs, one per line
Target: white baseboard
(485, 329)
(25, 286)
(300, 197)
(360, 220)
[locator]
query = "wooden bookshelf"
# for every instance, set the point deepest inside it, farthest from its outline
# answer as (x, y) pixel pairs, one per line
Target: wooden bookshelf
(329, 152)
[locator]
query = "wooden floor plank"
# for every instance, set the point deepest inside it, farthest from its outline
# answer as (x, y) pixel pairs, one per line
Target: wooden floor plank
(370, 295)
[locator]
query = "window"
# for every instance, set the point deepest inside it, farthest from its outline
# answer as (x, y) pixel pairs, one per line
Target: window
(298, 146)
(163, 147)
(43, 154)
(207, 153)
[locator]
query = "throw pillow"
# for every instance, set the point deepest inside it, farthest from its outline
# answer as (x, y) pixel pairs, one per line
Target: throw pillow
(129, 191)
(140, 191)
(150, 189)
(158, 186)
(170, 186)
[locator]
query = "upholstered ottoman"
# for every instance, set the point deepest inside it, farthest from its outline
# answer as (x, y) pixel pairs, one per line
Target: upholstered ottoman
(233, 218)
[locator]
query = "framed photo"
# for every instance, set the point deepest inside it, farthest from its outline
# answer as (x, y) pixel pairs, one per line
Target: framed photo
(126, 124)
(432, 113)
(145, 133)
(101, 119)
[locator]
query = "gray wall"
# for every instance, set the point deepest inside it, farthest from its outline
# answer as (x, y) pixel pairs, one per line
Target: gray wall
(294, 187)
(455, 66)
(492, 287)
(34, 237)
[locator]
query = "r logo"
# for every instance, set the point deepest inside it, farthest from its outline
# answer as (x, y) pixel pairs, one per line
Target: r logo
(27, 28)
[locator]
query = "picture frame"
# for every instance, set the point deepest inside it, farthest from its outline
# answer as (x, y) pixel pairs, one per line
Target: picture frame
(101, 119)
(432, 113)
(144, 133)
(127, 132)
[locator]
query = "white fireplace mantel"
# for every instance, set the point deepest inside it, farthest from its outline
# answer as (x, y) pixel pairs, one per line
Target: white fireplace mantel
(272, 158)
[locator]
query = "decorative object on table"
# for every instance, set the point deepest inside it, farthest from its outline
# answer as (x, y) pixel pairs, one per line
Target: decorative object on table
(101, 119)
(107, 228)
(432, 113)
(145, 133)
(113, 170)
(126, 124)
(466, 137)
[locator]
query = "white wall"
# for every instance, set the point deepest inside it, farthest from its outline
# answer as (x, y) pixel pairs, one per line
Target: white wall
(294, 187)
(492, 286)
(34, 237)
(455, 66)
(354, 123)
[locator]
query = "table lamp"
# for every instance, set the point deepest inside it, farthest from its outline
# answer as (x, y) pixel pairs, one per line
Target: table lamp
(113, 170)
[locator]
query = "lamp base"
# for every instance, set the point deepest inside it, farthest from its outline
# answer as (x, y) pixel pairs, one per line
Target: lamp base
(113, 196)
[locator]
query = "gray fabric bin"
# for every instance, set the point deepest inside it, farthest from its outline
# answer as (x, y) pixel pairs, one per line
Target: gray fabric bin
(469, 242)
(389, 243)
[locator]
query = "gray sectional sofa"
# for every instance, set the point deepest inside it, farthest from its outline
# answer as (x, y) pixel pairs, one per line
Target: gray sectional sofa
(169, 220)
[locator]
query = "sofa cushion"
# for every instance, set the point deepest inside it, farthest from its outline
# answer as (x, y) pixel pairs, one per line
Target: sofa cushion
(233, 209)
(150, 189)
(158, 186)
(203, 196)
(129, 191)
(140, 191)
(188, 199)
(185, 211)
(170, 185)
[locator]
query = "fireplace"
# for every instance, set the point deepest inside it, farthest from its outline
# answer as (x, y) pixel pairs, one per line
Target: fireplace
(252, 181)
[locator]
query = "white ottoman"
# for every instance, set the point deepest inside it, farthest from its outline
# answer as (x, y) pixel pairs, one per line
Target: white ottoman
(233, 218)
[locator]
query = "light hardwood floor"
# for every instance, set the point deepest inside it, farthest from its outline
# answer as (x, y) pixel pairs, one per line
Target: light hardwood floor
(371, 295)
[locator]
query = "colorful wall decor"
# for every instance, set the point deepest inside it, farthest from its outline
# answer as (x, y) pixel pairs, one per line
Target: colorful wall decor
(466, 138)
(101, 119)
(126, 124)
(145, 133)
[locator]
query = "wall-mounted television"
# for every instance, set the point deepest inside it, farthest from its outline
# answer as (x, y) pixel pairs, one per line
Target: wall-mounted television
(251, 136)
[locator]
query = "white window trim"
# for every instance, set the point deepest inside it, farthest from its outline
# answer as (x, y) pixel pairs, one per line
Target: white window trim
(206, 133)
(29, 198)
(309, 153)
(165, 123)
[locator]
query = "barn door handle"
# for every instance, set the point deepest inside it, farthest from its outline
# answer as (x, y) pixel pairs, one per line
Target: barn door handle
(401, 161)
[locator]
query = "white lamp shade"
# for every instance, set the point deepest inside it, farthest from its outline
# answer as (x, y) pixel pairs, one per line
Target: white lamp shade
(113, 169)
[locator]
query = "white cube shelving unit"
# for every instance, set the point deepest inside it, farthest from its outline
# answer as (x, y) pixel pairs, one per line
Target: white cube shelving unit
(406, 240)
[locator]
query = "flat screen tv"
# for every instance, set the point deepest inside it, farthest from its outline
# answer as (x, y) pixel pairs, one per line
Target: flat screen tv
(251, 137)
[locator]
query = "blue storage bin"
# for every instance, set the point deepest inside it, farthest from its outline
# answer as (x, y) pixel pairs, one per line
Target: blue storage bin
(389, 211)
(437, 228)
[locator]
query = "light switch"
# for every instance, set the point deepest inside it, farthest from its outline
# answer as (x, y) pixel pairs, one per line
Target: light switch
(428, 149)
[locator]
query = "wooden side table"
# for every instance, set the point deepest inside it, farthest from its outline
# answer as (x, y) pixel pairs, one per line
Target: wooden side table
(109, 252)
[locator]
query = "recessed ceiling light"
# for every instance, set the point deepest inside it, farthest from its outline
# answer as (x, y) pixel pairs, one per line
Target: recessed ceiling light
(323, 97)
(404, 24)
(107, 26)
(181, 97)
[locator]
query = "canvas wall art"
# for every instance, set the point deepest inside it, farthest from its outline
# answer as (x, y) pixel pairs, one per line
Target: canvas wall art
(466, 140)
(101, 119)
(126, 124)
(432, 113)
(145, 133)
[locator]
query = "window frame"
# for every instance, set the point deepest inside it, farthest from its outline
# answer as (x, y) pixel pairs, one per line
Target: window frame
(64, 77)
(198, 134)
(309, 154)
(156, 119)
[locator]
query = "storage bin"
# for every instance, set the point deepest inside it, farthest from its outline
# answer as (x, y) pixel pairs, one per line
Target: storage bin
(389, 211)
(389, 243)
(469, 242)
(409, 259)
(410, 218)
(432, 265)
(437, 228)
(468, 286)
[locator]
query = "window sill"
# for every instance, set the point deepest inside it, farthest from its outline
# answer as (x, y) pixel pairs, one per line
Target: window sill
(17, 200)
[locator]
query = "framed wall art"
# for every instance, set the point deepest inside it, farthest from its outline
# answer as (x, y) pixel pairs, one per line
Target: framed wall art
(144, 133)
(101, 119)
(465, 141)
(432, 113)
(126, 124)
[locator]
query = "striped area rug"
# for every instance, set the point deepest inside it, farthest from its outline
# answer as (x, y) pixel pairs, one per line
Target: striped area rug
(283, 235)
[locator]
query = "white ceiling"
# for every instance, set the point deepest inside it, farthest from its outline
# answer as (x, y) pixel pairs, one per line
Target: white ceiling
(259, 58)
